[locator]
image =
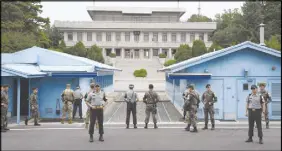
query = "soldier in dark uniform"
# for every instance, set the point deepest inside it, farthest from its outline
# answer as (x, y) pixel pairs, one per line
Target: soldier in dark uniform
(267, 99)
(191, 105)
(254, 107)
(95, 102)
(208, 99)
(151, 98)
(4, 107)
(131, 99)
(34, 107)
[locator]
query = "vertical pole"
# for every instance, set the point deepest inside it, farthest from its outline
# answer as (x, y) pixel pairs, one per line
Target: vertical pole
(28, 98)
(173, 91)
(18, 100)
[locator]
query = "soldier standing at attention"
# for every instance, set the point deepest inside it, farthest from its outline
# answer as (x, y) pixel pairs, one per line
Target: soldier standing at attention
(254, 107)
(68, 98)
(191, 104)
(95, 102)
(4, 107)
(151, 98)
(131, 99)
(267, 99)
(208, 99)
(77, 102)
(34, 107)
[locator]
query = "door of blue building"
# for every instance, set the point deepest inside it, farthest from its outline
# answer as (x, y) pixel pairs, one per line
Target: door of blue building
(274, 108)
(243, 90)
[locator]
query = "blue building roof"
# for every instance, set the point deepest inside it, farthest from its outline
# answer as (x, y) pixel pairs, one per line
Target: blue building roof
(38, 62)
(212, 55)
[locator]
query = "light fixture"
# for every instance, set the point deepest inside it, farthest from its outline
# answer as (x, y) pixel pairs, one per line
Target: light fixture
(273, 68)
(206, 70)
(245, 73)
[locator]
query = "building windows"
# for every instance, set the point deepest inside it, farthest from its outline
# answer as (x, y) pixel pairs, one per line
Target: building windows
(245, 86)
(146, 37)
(79, 36)
(201, 36)
(108, 36)
(183, 37)
(173, 37)
(164, 37)
(89, 36)
(118, 37)
(192, 37)
(127, 36)
(155, 37)
(70, 36)
(99, 36)
(136, 38)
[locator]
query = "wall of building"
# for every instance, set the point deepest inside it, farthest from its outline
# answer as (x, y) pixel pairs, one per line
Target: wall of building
(228, 79)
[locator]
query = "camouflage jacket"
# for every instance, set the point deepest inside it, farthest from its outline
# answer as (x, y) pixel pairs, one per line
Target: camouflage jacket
(4, 98)
(151, 97)
(33, 101)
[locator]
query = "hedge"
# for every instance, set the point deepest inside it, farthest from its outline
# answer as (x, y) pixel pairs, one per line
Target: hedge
(140, 73)
(162, 55)
(169, 62)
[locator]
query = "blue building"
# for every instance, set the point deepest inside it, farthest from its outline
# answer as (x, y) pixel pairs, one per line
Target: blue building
(231, 72)
(49, 71)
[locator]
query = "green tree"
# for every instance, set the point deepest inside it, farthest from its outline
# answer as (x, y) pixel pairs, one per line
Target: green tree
(55, 36)
(78, 50)
(199, 18)
(214, 47)
(169, 62)
(198, 48)
(273, 43)
(183, 52)
(62, 45)
(95, 53)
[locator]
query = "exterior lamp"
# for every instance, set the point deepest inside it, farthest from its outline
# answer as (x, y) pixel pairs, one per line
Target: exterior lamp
(206, 70)
(273, 68)
(245, 73)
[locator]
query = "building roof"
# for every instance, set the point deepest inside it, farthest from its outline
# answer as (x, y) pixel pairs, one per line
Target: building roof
(212, 55)
(134, 25)
(136, 10)
(36, 61)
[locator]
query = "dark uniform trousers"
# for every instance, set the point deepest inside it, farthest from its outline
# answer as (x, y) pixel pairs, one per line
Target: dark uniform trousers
(131, 107)
(255, 116)
(96, 113)
(77, 103)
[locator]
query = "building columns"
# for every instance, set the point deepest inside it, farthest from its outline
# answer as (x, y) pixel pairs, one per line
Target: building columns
(141, 53)
(160, 50)
(113, 51)
(169, 53)
(151, 53)
(122, 53)
(19, 100)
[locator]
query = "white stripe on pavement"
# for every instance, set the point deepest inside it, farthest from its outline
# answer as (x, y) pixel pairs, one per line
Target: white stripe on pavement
(165, 127)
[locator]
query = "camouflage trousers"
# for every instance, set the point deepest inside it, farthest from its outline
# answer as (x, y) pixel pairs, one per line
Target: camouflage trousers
(191, 116)
(266, 118)
(3, 116)
(35, 115)
(209, 111)
(67, 108)
(150, 108)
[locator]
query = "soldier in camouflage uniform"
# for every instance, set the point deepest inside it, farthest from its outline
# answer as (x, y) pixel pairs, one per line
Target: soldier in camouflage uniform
(87, 117)
(34, 107)
(4, 107)
(208, 99)
(267, 99)
(191, 105)
(151, 98)
(68, 99)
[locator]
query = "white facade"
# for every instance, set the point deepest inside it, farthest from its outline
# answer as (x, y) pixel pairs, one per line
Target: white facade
(135, 32)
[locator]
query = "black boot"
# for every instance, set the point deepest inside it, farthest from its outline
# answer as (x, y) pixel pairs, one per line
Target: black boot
(260, 141)
(6, 129)
(26, 121)
(194, 130)
(146, 125)
(91, 138)
(206, 127)
(188, 127)
(3, 130)
(127, 126)
(36, 124)
(155, 126)
(249, 140)
(135, 126)
(267, 125)
(212, 127)
(101, 138)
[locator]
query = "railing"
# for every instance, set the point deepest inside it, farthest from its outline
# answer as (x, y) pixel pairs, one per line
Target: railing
(135, 18)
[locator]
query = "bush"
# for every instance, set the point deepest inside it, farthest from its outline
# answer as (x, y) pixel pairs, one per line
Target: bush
(215, 47)
(183, 52)
(169, 62)
(140, 73)
(162, 55)
(198, 48)
(112, 55)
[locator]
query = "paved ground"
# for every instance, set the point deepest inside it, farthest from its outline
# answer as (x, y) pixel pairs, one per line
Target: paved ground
(53, 136)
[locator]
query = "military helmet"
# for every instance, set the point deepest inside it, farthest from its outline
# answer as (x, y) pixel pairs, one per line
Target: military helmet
(34, 88)
(151, 86)
(262, 84)
(254, 87)
(92, 84)
(131, 86)
(97, 85)
(192, 86)
(208, 85)
(68, 85)
(5, 85)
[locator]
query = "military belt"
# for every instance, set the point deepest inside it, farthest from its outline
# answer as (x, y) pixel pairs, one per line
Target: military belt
(98, 107)
(254, 109)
